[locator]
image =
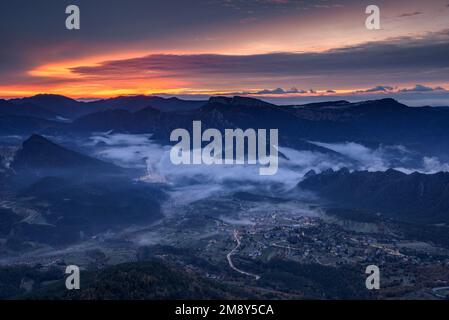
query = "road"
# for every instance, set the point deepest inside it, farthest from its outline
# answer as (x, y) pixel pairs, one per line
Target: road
(437, 290)
(229, 257)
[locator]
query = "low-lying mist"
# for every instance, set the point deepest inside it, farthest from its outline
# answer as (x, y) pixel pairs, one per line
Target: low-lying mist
(194, 182)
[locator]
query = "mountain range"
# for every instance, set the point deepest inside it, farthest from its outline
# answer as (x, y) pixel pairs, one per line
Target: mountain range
(373, 123)
(416, 197)
(8, 108)
(50, 105)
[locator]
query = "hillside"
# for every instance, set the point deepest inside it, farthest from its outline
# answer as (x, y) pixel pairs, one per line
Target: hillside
(415, 197)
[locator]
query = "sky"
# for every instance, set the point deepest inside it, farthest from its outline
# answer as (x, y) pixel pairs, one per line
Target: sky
(285, 51)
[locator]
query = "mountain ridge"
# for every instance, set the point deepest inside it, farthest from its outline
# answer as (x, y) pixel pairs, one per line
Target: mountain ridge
(72, 108)
(413, 197)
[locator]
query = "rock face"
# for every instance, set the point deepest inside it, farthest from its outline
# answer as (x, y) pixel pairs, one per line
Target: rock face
(410, 197)
(378, 121)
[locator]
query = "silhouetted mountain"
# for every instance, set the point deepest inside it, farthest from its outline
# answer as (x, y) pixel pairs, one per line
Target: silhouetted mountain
(223, 112)
(381, 105)
(410, 197)
(250, 113)
(375, 122)
(147, 120)
(239, 101)
(70, 108)
(386, 121)
(333, 121)
(220, 112)
(117, 120)
(24, 126)
(40, 157)
(58, 104)
(379, 121)
(73, 194)
(136, 103)
(322, 105)
(29, 110)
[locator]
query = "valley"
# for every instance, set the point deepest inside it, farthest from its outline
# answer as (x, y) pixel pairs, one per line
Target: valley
(239, 250)
(103, 195)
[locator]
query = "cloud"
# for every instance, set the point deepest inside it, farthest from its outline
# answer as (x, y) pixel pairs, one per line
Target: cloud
(383, 158)
(280, 91)
(38, 41)
(423, 59)
(433, 165)
(410, 14)
(373, 160)
(422, 88)
(131, 151)
(193, 182)
(378, 89)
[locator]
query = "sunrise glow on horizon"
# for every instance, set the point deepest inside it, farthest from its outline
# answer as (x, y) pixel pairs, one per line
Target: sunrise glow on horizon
(278, 49)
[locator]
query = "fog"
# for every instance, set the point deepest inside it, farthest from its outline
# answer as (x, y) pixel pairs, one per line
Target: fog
(194, 182)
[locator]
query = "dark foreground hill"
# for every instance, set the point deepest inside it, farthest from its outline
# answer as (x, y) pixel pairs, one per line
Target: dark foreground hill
(74, 210)
(59, 196)
(136, 281)
(157, 277)
(39, 157)
(147, 280)
(413, 197)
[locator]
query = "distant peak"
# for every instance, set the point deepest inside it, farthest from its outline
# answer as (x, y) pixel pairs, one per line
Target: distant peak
(48, 95)
(39, 153)
(327, 103)
(387, 102)
(36, 139)
(394, 172)
(148, 109)
(239, 101)
(51, 96)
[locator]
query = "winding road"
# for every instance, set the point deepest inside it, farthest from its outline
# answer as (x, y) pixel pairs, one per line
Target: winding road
(229, 257)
